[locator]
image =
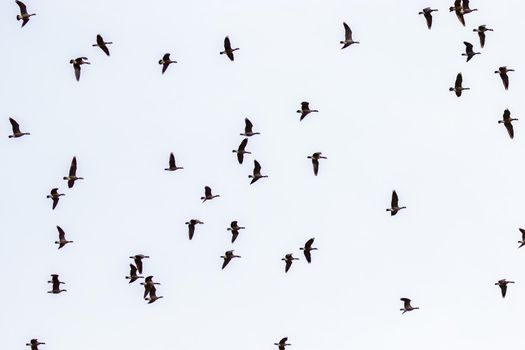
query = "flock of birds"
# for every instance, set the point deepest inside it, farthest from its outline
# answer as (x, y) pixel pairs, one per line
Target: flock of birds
(460, 8)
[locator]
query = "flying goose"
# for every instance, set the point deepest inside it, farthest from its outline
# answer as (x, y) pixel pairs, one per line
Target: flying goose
(228, 255)
(407, 306)
(16, 129)
(55, 196)
(77, 62)
(240, 151)
(138, 261)
(503, 285)
(165, 62)
(62, 241)
(348, 37)
(394, 204)
(72, 174)
(507, 122)
(256, 172)
(208, 195)
(315, 161)
(469, 52)
(522, 242)
(153, 295)
(148, 284)
(56, 285)
(133, 274)
(307, 248)
(466, 8)
(282, 343)
(458, 89)
(502, 71)
(481, 32)
(34, 343)
(458, 9)
(24, 16)
(288, 258)
(172, 165)
(234, 228)
(191, 226)
(427, 12)
(248, 128)
(228, 49)
(102, 44)
(305, 110)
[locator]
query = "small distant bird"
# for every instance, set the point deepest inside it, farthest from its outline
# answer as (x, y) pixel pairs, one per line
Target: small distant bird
(507, 122)
(458, 89)
(138, 261)
(56, 285)
(55, 196)
(165, 62)
(77, 62)
(248, 128)
(503, 285)
(288, 258)
(458, 9)
(427, 12)
(282, 343)
(102, 44)
(466, 8)
(133, 274)
(481, 33)
(502, 71)
(256, 172)
(24, 16)
(348, 37)
(469, 52)
(522, 242)
(72, 173)
(148, 284)
(34, 343)
(394, 204)
(172, 165)
(240, 151)
(191, 226)
(62, 241)
(228, 49)
(307, 248)
(305, 110)
(227, 257)
(315, 161)
(234, 228)
(208, 195)
(153, 295)
(407, 306)
(16, 129)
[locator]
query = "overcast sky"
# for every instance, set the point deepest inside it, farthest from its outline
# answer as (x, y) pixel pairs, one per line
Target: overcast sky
(387, 121)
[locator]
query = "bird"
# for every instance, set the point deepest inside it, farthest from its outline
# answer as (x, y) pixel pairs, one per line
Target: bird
(62, 241)
(469, 52)
(282, 343)
(72, 174)
(208, 195)
(24, 16)
(481, 33)
(133, 274)
(148, 284)
(465, 8)
(240, 151)
(305, 110)
(16, 129)
(315, 161)
(407, 306)
(228, 49)
(234, 228)
(507, 122)
(165, 62)
(138, 261)
(288, 258)
(458, 9)
(34, 343)
(522, 242)
(172, 165)
(153, 295)
(256, 172)
(458, 89)
(55, 196)
(102, 44)
(503, 285)
(394, 204)
(427, 12)
(56, 285)
(77, 62)
(307, 248)
(191, 226)
(348, 37)
(248, 128)
(502, 71)
(228, 255)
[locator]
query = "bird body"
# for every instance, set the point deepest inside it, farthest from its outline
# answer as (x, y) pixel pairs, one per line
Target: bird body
(315, 161)
(307, 249)
(458, 88)
(62, 241)
(77, 63)
(469, 51)
(102, 44)
(427, 12)
(228, 49)
(507, 122)
(138, 261)
(55, 196)
(288, 259)
(149, 285)
(241, 150)
(234, 228)
(248, 128)
(165, 62)
(305, 110)
(394, 204)
(133, 274)
(406, 305)
(481, 33)
(282, 343)
(208, 195)
(172, 165)
(72, 174)
(502, 71)
(256, 172)
(228, 256)
(23, 16)
(153, 295)
(348, 37)
(503, 286)
(56, 285)
(191, 226)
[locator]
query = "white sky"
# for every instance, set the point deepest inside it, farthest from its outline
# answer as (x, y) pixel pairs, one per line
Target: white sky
(387, 121)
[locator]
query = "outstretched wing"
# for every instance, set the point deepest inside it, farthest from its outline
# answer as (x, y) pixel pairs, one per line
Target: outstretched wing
(348, 32)
(248, 127)
(395, 200)
(73, 167)
(61, 233)
(14, 126)
(23, 8)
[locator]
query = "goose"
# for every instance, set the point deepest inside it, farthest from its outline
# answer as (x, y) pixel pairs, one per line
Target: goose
(228, 49)
(24, 16)
(305, 110)
(507, 122)
(522, 242)
(248, 128)
(502, 71)
(315, 161)
(34, 343)
(102, 44)
(56, 285)
(458, 89)
(469, 52)
(138, 261)
(153, 295)
(133, 274)
(165, 62)
(256, 172)
(282, 343)
(288, 258)
(466, 8)
(55, 196)
(208, 195)
(148, 284)
(503, 285)
(407, 306)
(72, 174)
(62, 241)
(427, 12)
(307, 248)
(234, 228)
(172, 165)
(458, 9)
(191, 226)
(16, 129)
(348, 37)
(77, 62)
(228, 255)
(240, 151)
(394, 204)
(481, 33)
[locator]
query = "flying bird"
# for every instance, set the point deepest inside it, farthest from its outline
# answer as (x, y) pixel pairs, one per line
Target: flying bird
(348, 37)
(55, 196)
(165, 62)
(315, 161)
(466, 8)
(234, 228)
(133, 274)
(72, 174)
(469, 52)
(148, 285)
(256, 172)
(240, 151)
(481, 33)
(522, 242)
(153, 295)
(503, 285)
(288, 259)
(458, 89)
(282, 343)
(458, 10)
(305, 110)
(138, 261)
(248, 128)
(77, 63)
(34, 343)
(191, 226)
(507, 122)
(502, 71)
(228, 49)
(208, 195)
(24, 16)
(56, 285)
(102, 44)
(16, 129)
(172, 165)
(62, 241)
(394, 204)
(307, 249)
(427, 12)
(228, 255)
(407, 306)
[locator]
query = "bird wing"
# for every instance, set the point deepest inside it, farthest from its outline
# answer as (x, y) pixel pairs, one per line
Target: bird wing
(428, 17)
(505, 79)
(14, 126)
(73, 167)
(481, 39)
(283, 341)
(240, 157)
(459, 15)
(235, 233)
(23, 8)
(522, 234)
(132, 270)
(468, 47)
(315, 163)
(191, 230)
(226, 261)
(147, 289)
(248, 127)
(288, 264)
(457, 3)
(55, 202)
(138, 262)
(309, 243)
(230, 55)
(307, 255)
(503, 289)
(395, 199)
(243, 144)
(233, 224)
(61, 233)
(166, 57)
(164, 67)
(76, 66)
(256, 168)
(305, 106)
(348, 32)
(506, 115)
(207, 191)
(227, 44)
(54, 191)
(406, 302)
(459, 80)
(172, 161)
(102, 44)
(466, 5)
(510, 129)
